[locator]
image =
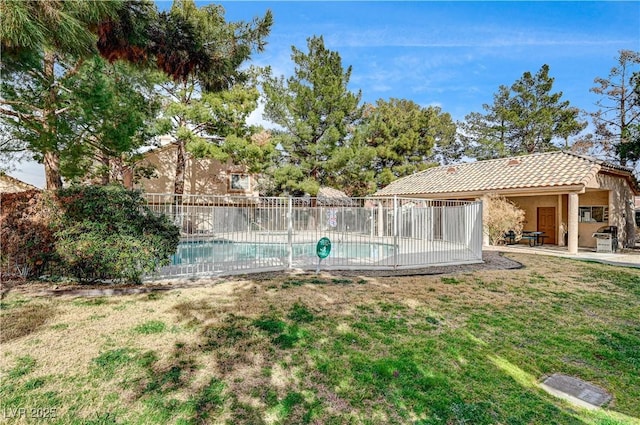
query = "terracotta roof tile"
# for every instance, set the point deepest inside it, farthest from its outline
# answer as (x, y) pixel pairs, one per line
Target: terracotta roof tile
(329, 192)
(10, 184)
(551, 169)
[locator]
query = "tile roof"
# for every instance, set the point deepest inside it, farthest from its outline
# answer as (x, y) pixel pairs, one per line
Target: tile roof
(543, 170)
(10, 184)
(330, 196)
(329, 192)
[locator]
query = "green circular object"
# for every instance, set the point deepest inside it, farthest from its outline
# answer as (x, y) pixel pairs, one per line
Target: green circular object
(323, 248)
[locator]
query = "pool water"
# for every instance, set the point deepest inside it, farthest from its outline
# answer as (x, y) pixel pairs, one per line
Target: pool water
(195, 252)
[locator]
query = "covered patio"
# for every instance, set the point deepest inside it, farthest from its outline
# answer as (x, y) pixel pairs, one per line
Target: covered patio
(565, 196)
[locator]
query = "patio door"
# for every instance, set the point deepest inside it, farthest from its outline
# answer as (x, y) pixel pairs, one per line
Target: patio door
(547, 223)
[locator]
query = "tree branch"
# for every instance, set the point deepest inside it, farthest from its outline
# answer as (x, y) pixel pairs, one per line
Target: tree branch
(73, 71)
(198, 128)
(26, 117)
(61, 111)
(19, 103)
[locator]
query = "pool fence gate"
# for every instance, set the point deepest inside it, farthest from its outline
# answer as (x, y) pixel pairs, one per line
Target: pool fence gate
(224, 235)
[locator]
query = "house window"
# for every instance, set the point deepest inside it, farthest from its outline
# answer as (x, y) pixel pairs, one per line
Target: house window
(239, 183)
(595, 214)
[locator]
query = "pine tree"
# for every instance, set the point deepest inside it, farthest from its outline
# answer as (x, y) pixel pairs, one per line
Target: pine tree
(317, 112)
(44, 44)
(617, 121)
(523, 119)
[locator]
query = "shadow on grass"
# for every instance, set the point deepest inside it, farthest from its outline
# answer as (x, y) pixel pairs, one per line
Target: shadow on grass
(24, 320)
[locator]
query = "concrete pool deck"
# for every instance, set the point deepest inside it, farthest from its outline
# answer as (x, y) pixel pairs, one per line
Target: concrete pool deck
(627, 258)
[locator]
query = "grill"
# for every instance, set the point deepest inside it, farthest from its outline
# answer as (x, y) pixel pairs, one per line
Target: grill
(606, 239)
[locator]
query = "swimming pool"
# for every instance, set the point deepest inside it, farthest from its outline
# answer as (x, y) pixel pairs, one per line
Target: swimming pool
(196, 252)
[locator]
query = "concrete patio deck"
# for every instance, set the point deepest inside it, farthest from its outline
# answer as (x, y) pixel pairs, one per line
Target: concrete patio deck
(624, 258)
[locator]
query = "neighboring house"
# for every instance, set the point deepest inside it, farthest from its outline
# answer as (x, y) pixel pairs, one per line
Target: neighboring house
(557, 190)
(10, 184)
(202, 176)
(333, 197)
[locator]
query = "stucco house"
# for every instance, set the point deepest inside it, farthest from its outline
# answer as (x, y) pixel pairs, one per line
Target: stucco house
(202, 176)
(10, 184)
(557, 191)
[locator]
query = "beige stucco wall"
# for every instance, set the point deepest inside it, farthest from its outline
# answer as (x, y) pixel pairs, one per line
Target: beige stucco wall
(565, 210)
(530, 205)
(202, 176)
(595, 197)
(621, 207)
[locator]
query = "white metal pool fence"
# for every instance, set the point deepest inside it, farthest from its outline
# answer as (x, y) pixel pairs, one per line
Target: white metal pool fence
(223, 235)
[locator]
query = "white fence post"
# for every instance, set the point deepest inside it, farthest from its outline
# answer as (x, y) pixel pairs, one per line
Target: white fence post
(395, 232)
(381, 219)
(290, 233)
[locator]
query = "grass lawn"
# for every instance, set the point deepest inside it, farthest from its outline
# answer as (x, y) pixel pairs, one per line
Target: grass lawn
(451, 349)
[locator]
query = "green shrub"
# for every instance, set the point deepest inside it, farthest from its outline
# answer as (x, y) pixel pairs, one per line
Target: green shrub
(107, 232)
(86, 232)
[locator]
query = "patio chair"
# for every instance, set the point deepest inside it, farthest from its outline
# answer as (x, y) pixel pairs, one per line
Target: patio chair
(510, 237)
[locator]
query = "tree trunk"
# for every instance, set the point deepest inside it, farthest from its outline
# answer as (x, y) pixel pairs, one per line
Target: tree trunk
(105, 178)
(117, 169)
(51, 155)
(128, 173)
(52, 171)
(178, 186)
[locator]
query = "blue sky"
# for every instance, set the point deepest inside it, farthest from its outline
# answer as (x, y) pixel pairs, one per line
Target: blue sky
(454, 54)
(451, 54)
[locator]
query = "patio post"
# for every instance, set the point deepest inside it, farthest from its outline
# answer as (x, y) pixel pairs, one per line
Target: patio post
(560, 229)
(573, 223)
(485, 213)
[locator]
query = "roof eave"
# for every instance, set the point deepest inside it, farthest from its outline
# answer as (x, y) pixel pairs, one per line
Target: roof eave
(521, 191)
(633, 182)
